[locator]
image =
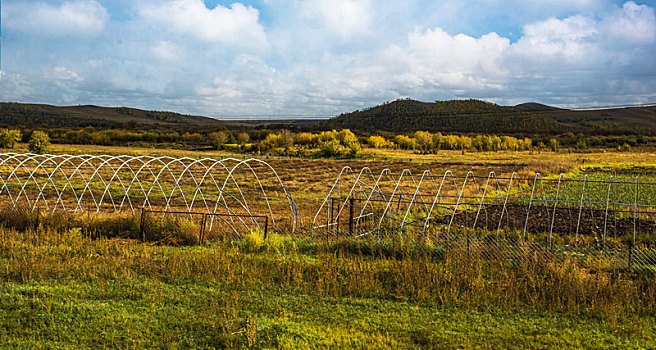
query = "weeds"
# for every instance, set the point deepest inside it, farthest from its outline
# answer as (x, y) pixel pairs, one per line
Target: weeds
(377, 271)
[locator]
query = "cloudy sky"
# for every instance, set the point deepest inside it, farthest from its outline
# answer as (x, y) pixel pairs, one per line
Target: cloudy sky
(320, 58)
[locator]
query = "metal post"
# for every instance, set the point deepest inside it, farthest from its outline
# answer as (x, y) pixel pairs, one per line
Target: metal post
(351, 216)
(266, 227)
(578, 223)
(610, 183)
(337, 226)
(635, 209)
(330, 214)
(141, 225)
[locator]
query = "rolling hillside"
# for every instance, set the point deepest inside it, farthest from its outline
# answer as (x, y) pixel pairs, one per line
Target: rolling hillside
(36, 115)
(484, 117)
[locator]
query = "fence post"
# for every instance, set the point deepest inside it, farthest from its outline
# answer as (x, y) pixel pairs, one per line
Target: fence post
(337, 226)
(331, 214)
(351, 216)
(266, 227)
(203, 221)
(141, 225)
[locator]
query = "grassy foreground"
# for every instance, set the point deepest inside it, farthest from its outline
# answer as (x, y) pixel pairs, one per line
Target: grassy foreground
(61, 288)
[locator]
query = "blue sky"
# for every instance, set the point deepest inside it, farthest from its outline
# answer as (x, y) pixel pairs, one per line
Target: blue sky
(321, 58)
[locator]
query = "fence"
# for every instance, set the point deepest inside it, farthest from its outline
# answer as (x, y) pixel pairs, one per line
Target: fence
(590, 212)
(203, 226)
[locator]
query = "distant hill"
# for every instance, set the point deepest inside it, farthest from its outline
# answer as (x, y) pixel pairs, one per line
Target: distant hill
(483, 117)
(398, 116)
(36, 115)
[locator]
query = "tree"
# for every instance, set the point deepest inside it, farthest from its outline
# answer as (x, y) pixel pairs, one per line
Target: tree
(376, 141)
(243, 138)
(39, 142)
(553, 144)
(271, 141)
(330, 148)
(286, 138)
(405, 142)
(218, 139)
(425, 140)
(305, 139)
(347, 138)
(9, 137)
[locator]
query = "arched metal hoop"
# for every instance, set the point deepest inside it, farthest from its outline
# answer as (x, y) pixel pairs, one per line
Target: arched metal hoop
(107, 183)
(536, 205)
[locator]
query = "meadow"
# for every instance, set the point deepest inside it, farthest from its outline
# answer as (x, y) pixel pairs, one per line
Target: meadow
(70, 281)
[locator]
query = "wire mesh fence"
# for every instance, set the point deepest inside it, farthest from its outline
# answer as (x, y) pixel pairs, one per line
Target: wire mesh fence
(612, 217)
(184, 227)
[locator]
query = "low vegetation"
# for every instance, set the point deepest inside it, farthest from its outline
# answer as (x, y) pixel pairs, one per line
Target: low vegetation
(71, 281)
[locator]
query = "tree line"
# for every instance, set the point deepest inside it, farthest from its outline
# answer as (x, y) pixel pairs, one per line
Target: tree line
(342, 142)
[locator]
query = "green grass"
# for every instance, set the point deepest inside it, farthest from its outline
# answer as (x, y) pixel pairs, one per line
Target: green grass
(64, 289)
(151, 313)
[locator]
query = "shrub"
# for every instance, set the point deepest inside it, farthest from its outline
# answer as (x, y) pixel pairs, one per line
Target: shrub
(405, 142)
(378, 142)
(9, 137)
(243, 138)
(305, 138)
(624, 148)
(253, 241)
(39, 142)
(330, 148)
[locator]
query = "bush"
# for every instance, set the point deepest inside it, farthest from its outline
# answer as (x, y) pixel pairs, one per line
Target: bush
(9, 137)
(330, 148)
(378, 142)
(253, 241)
(39, 142)
(624, 148)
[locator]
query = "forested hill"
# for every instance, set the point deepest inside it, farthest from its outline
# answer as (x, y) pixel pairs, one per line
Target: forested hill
(38, 115)
(484, 117)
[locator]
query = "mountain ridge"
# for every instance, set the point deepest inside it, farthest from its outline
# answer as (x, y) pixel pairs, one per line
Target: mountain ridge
(476, 116)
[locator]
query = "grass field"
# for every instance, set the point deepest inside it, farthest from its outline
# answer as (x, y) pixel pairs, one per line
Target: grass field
(75, 288)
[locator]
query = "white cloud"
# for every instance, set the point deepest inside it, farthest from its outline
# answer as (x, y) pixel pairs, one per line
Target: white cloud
(327, 57)
(460, 60)
(237, 25)
(343, 17)
(566, 39)
(76, 18)
(167, 51)
(633, 23)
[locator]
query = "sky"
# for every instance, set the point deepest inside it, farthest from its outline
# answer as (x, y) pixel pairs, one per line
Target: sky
(292, 58)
